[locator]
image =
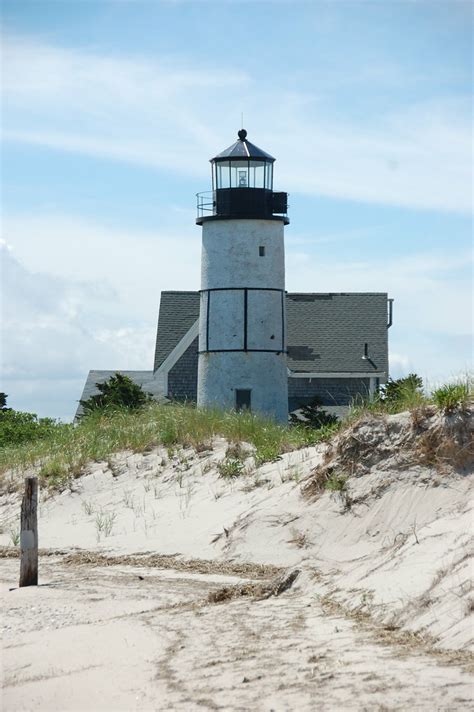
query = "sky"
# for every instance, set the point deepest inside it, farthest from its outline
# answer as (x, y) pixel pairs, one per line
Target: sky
(111, 110)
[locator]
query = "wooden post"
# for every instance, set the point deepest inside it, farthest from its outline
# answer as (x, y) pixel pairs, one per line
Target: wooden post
(29, 534)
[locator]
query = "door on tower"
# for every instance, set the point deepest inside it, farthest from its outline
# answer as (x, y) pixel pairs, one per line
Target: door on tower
(242, 399)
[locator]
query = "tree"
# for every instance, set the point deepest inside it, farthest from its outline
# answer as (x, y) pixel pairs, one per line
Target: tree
(118, 391)
(3, 402)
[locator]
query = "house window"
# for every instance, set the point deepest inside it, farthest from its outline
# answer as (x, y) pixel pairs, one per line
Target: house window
(261, 251)
(242, 399)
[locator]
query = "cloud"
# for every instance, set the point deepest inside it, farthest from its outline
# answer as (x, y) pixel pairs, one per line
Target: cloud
(399, 364)
(428, 288)
(78, 295)
(54, 330)
(432, 327)
(98, 105)
(155, 112)
(416, 157)
(136, 265)
(49, 72)
(81, 295)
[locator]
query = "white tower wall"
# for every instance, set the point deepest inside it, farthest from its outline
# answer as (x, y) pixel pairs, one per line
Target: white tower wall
(230, 254)
(242, 337)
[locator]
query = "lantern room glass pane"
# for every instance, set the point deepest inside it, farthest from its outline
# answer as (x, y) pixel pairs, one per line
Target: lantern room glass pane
(269, 176)
(222, 175)
(239, 174)
(257, 174)
(243, 174)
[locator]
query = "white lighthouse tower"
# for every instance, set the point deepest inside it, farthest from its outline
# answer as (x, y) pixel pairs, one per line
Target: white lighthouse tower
(242, 339)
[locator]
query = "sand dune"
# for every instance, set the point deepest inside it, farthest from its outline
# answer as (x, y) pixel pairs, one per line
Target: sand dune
(136, 554)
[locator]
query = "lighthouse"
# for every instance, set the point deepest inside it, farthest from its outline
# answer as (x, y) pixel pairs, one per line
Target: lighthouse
(242, 322)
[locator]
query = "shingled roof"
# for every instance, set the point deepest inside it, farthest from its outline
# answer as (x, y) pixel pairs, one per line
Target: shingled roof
(178, 312)
(326, 332)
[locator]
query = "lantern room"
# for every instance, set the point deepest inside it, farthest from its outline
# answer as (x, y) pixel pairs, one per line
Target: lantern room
(242, 165)
(242, 185)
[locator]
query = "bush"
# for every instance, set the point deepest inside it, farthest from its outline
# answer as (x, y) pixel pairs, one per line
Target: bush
(313, 416)
(451, 397)
(118, 391)
(17, 427)
(402, 389)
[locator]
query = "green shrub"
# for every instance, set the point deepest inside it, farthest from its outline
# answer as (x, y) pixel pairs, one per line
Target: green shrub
(395, 396)
(313, 416)
(118, 391)
(402, 390)
(452, 397)
(17, 427)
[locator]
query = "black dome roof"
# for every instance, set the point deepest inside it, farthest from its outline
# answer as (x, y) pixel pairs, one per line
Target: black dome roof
(243, 149)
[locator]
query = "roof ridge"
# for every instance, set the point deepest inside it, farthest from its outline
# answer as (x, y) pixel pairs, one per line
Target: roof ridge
(338, 294)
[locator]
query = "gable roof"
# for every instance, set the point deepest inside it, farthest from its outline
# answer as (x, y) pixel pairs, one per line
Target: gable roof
(178, 312)
(326, 331)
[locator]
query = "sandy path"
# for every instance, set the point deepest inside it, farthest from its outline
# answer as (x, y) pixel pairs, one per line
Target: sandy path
(102, 638)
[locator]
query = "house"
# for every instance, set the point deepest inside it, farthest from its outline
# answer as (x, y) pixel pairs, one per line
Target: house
(242, 341)
(337, 348)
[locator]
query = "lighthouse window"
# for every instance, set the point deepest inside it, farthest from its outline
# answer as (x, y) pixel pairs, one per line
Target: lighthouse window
(242, 399)
(261, 251)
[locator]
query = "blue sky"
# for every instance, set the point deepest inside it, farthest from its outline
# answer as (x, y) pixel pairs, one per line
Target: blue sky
(111, 110)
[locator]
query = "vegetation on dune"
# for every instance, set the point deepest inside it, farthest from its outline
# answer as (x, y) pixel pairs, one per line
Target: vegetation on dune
(408, 394)
(230, 468)
(313, 415)
(118, 391)
(135, 423)
(18, 428)
(452, 397)
(405, 391)
(437, 434)
(64, 453)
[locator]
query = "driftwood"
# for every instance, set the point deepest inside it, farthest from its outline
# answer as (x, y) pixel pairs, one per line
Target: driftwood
(29, 534)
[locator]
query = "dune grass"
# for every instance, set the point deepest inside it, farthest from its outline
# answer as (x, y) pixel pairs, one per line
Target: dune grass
(448, 398)
(453, 396)
(64, 450)
(64, 453)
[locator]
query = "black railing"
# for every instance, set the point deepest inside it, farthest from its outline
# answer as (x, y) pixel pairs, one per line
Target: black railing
(242, 203)
(206, 204)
